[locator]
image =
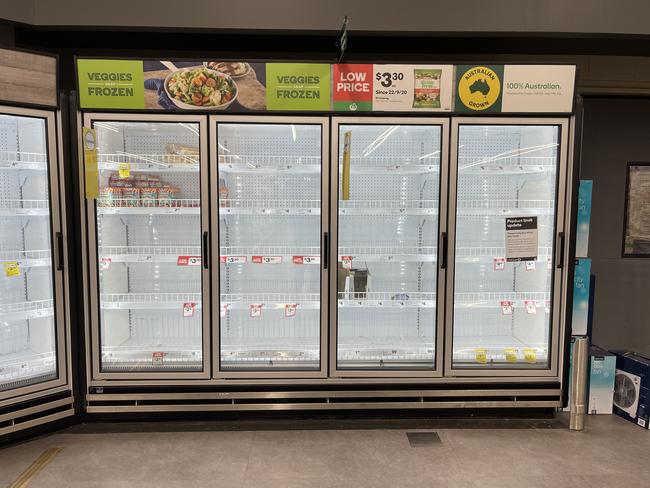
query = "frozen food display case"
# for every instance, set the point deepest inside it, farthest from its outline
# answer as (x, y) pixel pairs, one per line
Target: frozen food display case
(388, 176)
(269, 200)
(148, 240)
(503, 302)
(33, 333)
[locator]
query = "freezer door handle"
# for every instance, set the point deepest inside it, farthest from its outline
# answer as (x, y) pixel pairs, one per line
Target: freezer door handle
(205, 258)
(59, 251)
(326, 247)
(560, 250)
(444, 243)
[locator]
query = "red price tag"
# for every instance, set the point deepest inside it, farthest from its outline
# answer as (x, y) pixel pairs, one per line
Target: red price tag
(224, 309)
(290, 309)
(306, 259)
(256, 310)
(346, 262)
(267, 259)
(499, 264)
(530, 306)
(232, 259)
(188, 261)
(157, 358)
(188, 309)
(506, 307)
(105, 263)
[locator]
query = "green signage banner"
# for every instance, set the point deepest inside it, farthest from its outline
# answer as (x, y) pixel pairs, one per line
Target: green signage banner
(105, 83)
(292, 86)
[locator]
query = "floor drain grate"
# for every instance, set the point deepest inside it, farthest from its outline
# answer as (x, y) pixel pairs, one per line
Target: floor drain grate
(421, 439)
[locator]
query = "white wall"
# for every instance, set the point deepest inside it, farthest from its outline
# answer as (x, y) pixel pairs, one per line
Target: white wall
(580, 16)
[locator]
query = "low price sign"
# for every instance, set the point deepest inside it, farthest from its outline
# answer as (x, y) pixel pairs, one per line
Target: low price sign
(352, 87)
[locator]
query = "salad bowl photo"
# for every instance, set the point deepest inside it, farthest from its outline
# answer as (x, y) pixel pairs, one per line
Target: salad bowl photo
(200, 88)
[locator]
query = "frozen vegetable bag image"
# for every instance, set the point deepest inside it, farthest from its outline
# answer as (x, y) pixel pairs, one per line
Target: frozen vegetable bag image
(426, 93)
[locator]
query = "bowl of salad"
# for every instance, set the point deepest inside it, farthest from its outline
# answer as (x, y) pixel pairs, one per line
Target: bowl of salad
(200, 89)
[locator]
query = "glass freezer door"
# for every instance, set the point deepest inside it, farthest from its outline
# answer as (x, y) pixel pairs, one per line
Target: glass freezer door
(506, 211)
(389, 182)
(268, 193)
(148, 233)
(28, 328)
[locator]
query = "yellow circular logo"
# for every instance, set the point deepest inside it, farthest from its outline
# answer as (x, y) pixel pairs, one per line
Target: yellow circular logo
(479, 88)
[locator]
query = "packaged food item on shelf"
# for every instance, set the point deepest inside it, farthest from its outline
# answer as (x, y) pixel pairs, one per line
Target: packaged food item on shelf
(181, 154)
(130, 197)
(353, 283)
(149, 197)
(109, 197)
(167, 195)
(117, 182)
(223, 193)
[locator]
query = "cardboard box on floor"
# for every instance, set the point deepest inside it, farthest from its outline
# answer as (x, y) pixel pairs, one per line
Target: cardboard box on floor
(632, 388)
(602, 371)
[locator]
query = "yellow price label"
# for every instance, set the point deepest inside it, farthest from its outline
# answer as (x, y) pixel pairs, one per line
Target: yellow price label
(11, 269)
(481, 356)
(124, 170)
(511, 355)
(530, 355)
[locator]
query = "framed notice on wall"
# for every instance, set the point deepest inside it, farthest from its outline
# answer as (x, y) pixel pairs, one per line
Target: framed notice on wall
(636, 230)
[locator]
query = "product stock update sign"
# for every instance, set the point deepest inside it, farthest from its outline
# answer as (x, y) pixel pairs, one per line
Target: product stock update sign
(242, 86)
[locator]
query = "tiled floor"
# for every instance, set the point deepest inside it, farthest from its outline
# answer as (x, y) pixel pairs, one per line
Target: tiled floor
(609, 453)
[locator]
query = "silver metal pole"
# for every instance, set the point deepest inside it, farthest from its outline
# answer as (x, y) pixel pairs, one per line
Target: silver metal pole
(579, 372)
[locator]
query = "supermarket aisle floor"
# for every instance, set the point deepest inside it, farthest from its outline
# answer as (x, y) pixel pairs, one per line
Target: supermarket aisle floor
(610, 453)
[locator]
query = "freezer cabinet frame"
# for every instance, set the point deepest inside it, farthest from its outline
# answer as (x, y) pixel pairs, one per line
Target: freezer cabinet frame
(349, 373)
(218, 373)
(560, 251)
(92, 254)
(58, 239)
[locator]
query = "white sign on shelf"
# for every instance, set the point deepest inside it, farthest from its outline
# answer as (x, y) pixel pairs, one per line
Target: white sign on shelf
(188, 309)
(530, 265)
(531, 307)
(267, 259)
(412, 88)
(499, 264)
(538, 88)
(232, 259)
(506, 307)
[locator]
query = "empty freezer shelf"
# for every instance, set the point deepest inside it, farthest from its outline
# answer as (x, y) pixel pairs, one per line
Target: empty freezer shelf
(496, 207)
(386, 299)
(506, 165)
(155, 301)
(126, 206)
(28, 259)
(152, 353)
(274, 353)
(157, 254)
(10, 312)
(149, 162)
(26, 366)
(21, 160)
(243, 301)
(23, 207)
(385, 351)
(269, 206)
(506, 349)
(388, 207)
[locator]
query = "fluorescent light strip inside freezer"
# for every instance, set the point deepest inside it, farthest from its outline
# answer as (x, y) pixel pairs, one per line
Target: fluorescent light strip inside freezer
(387, 246)
(501, 308)
(149, 247)
(27, 327)
(269, 231)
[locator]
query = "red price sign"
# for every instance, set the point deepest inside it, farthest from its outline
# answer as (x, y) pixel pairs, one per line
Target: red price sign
(346, 262)
(506, 307)
(290, 309)
(267, 259)
(232, 259)
(188, 309)
(256, 310)
(499, 264)
(188, 261)
(306, 259)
